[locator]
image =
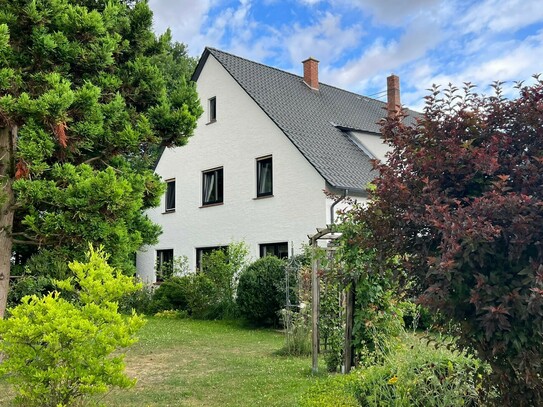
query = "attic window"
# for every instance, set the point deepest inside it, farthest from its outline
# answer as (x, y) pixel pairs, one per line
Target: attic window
(212, 109)
(170, 195)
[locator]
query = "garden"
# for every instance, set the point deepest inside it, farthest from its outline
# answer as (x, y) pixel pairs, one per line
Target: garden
(214, 349)
(431, 296)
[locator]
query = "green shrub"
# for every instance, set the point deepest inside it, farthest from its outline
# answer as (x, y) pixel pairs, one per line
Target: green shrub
(139, 301)
(202, 297)
(297, 332)
(28, 285)
(171, 295)
(418, 317)
(416, 374)
(172, 314)
(58, 352)
(261, 291)
(421, 374)
(223, 268)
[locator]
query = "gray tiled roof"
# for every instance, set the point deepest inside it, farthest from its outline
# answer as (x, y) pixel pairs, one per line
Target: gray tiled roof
(310, 119)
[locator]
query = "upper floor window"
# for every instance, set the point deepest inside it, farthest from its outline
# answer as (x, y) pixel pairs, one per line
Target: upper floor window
(274, 249)
(212, 109)
(264, 177)
(170, 195)
(212, 190)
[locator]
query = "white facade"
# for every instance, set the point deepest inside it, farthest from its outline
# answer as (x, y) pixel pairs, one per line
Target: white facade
(241, 134)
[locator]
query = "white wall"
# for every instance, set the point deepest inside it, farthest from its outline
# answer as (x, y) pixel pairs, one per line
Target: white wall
(242, 133)
(372, 143)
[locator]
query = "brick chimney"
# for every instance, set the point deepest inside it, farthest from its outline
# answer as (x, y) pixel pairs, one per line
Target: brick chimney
(311, 73)
(393, 95)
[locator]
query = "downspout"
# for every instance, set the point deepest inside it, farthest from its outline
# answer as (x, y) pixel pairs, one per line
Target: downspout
(338, 200)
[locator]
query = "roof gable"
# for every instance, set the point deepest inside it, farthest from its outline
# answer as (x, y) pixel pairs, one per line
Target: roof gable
(313, 120)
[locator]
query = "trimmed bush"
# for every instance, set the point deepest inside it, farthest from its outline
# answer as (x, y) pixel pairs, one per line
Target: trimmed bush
(171, 295)
(261, 291)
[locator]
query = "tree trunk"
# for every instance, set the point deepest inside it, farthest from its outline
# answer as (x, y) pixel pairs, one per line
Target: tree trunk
(7, 208)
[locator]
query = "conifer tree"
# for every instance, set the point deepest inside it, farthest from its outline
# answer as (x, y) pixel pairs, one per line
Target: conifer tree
(88, 97)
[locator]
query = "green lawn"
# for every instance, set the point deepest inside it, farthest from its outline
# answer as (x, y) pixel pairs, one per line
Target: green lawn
(207, 363)
(210, 363)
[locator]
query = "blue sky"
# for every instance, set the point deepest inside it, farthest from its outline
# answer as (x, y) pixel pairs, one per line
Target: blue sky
(359, 43)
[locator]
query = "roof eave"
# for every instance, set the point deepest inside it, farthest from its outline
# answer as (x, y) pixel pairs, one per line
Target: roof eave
(200, 66)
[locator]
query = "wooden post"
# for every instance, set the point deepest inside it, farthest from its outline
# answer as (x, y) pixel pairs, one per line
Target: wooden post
(349, 312)
(315, 289)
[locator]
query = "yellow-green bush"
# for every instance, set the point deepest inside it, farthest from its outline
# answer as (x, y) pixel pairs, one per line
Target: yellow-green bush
(57, 351)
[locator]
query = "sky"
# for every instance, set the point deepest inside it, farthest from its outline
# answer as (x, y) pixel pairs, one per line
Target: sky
(360, 42)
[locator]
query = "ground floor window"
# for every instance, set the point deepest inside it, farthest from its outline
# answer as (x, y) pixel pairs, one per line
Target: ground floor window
(202, 251)
(164, 264)
(274, 249)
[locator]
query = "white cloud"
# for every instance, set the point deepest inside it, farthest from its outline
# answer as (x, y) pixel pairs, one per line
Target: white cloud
(500, 15)
(393, 11)
(423, 41)
(384, 57)
(326, 39)
(183, 17)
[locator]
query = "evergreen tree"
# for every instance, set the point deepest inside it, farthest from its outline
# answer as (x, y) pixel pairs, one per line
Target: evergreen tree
(88, 97)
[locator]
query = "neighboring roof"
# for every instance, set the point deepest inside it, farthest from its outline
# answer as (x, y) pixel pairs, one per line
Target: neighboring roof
(314, 120)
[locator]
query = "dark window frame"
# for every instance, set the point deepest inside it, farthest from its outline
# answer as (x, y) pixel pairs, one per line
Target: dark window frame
(164, 264)
(169, 204)
(212, 103)
(265, 249)
(214, 179)
(202, 251)
(264, 175)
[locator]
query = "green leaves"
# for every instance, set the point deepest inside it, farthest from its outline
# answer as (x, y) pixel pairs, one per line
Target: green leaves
(59, 351)
(462, 195)
(94, 95)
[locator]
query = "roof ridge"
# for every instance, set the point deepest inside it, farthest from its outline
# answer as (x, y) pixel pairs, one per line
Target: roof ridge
(292, 74)
(254, 62)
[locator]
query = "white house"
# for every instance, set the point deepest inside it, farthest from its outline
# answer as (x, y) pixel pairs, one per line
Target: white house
(266, 148)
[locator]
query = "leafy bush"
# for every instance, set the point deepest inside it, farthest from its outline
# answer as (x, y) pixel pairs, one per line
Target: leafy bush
(171, 295)
(202, 298)
(25, 285)
(139, 301)
(460, 199)
(172, 314)
(420, 374)
(297, 332)
(418, 317)
(377, 321)
(223, 268)
(416, 374)
(261, 291)
(58, 352)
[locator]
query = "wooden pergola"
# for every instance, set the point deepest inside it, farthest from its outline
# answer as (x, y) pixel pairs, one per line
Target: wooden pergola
(329, 235)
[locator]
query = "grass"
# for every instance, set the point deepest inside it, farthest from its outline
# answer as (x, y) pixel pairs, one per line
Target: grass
(211, 363)
(207, 363)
